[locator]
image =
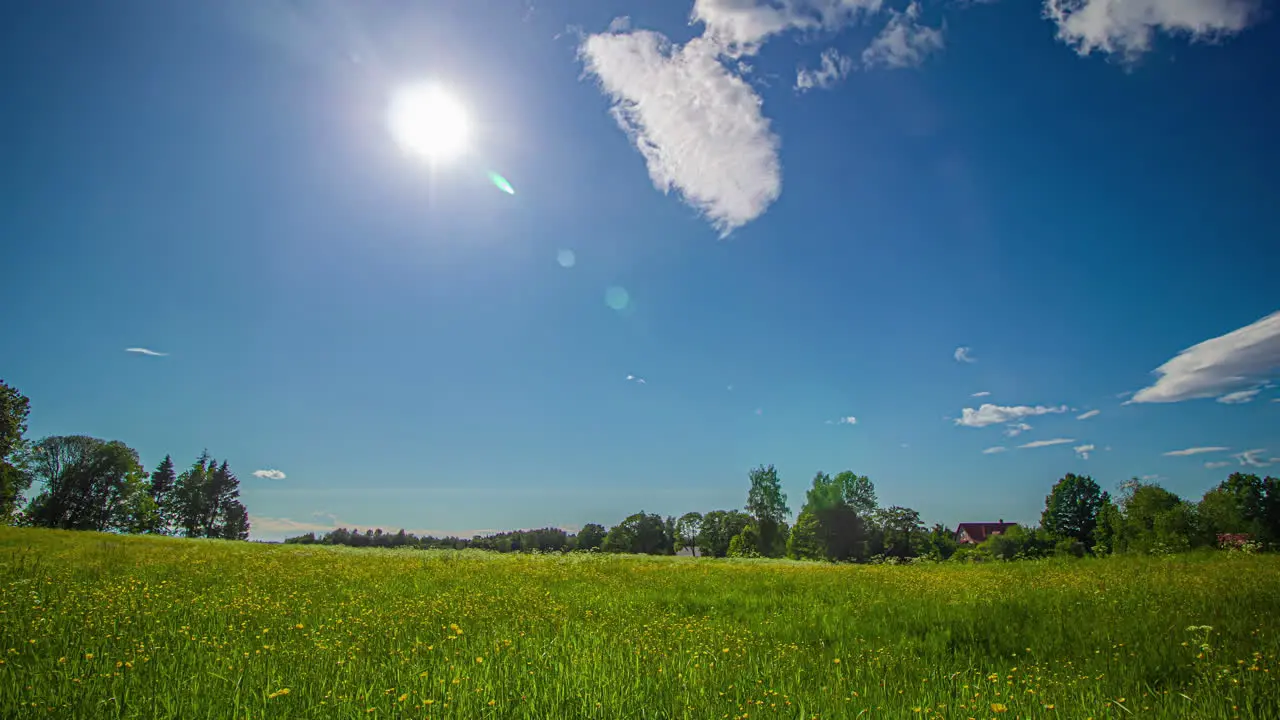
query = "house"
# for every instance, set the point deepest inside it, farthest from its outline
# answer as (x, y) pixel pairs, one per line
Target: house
(974, 533)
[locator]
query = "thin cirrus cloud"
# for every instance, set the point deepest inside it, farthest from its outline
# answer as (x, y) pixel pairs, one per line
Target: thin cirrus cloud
(984, 393)
(1221, 367)
(1254, 458)
(990, 414)
(835, 67)
(1046, 443)
(994, 450)
(903, 42)
(849, 420)
(1213, 465)
(269, 474)
(1087, 415)
(1239, 396)
(964, 355)
(1126, 28)
(636, 379)
(1196, 451)
(1016, 429)
(145, 351)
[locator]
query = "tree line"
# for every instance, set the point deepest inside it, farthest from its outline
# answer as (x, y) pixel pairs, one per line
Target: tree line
(86, 483)
(91, 484)
(841, 521)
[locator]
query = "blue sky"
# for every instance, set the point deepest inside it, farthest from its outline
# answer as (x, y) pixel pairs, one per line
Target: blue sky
(854, 190)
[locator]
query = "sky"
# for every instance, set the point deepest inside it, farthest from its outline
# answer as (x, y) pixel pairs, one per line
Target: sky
(962, 248)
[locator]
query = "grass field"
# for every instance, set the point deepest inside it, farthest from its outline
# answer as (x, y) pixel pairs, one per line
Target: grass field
(97, 626)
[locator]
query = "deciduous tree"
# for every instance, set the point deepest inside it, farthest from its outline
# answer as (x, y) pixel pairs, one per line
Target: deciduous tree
(1071, 508)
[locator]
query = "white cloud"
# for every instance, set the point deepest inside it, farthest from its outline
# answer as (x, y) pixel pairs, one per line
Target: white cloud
(1196, 451)
(962, 354)
(269, 474)
(1253, 458)
(1087, 415)
(850, 420)
(1126, 27)
(904, 42)
(144, 351)
(1217, 464)
(1083, 451)
(989, 414)
(994, 450)
(835, 67)
(1218, 366)
(698, 126)
(741, 25)
(620, 24)
(984, 393)
(1016, 429)
(1047, 443)
(1239, 396)
(636, 379)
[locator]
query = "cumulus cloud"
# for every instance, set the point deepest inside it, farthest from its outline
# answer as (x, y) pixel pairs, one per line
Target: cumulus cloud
(984, 393)
(1047, 443)
(835, 67)
(145, 351)
(269, 474)
(904, 42)
(994, 450)
(1016, 429)
(962, 354)
(698, 126)
(989, 414)
(741, 25)
(1254, 458)
(1126, 28)
(1219, 366)
(1217, 464)
(1239, 396)
(1196, 451)
(1083, 451)
(636, 379)
(1087, 415)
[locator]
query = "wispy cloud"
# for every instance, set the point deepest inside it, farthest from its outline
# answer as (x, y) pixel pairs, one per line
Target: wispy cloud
(984, 393)
(636, 379)
(269, 474)
(1047, 443)
(740, 26)
(989, 414)
(1219, 366)
(1125, 28)
(850, 420)
(1083, 451)
(994, 450)
(1217, 464)
(835, 67)
(1254, 458)
(904, 42)
(1087, 415)
(1196, 451)
(1239, 396)
(698, 125)
(1016, 429)
(964, 354)
(145, 351)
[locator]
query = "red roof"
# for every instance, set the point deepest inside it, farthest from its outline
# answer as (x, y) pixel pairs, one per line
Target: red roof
(978, 532)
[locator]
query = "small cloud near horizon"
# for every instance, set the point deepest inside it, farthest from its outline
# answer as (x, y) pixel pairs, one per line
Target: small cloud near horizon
(145, 351)
(989, 414)
(269, 474)
(984, 393)
(1083, 451)
(1254, 458)
(1087, 415)
(994, 450)
(1217, 464)
(1196, 451)
(1047, 443)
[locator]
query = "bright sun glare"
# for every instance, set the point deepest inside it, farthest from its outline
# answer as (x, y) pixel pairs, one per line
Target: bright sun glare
(429, 121)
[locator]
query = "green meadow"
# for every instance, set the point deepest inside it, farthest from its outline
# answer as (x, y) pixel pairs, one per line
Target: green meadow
(104, 626)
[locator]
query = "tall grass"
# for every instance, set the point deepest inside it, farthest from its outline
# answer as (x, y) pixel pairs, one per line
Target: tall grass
(97, 626)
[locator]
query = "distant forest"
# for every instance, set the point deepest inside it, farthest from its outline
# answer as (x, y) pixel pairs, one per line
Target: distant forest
(91, 484)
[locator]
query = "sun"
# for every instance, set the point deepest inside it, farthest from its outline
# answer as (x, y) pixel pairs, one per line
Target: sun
(427, 120)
